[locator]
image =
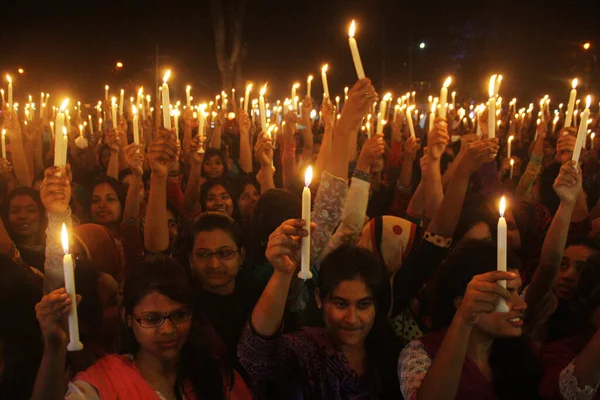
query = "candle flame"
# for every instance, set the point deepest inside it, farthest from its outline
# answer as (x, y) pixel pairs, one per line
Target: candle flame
(122, 92)
(448, 81)
(574, 83)
(8, 78)
(296, 85)
(308, 176)
(352, 29)
(310, 78)
(387, 97)
(105, 87)
(113, 100)
(593, 135)
(325, 68)
(64, 237)
(64, 129)
(588, 101)
(512, 162)
(3, 132)
(64, 105)
(134, 109)
(249, 87)
(263, 90)
(492, 84)
(188, 88)
(511, 138)
(167, 75)
(140, 91)
(502, 206)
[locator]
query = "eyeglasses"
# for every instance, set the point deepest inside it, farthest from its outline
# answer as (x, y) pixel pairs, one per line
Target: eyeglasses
(156, 320)
(203, 256)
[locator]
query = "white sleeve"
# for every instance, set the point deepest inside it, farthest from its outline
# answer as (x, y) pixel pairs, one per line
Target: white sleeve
(569, 386)
(81, 390)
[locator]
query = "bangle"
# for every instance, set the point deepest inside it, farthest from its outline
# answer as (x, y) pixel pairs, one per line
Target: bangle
(403, 189)
(437, 240)
(363, 176)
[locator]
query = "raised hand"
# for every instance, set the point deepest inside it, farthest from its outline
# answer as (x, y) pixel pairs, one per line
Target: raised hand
(134, 156)
(360, 99)
(438, 139)
(263, 150)
(192, 149)
(482, 294)
(478, 153)
(162, 153)
(410, 148)
(51, 313)
(568, 182)
(565, 145)
(6, 167)
(55, 191)
(244, 122)
(285, 243)
(188, 118)
(112, 140)
(11, 124)
(372, 149)
(328, 113)
(307, 107)
(121, 126)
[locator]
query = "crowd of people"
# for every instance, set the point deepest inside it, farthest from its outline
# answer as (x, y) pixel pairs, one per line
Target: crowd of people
(187, 249)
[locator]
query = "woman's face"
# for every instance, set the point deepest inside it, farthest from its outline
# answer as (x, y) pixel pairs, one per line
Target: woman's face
(248, 200)
(349, 312)
(571, 266)
(479, 231)
(216, 261)
(106, 207)
(213, 167)
(108, 293)
(24, 216)
(219, 200)
(163, 342)
(510, 324)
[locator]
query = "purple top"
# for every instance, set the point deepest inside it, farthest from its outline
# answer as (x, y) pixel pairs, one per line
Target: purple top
(309, 359)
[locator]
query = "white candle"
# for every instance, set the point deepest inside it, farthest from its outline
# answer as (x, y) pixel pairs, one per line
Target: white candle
(295, 86)
(592, 137)
(90, 124)
(136, 129)
(324, 78)
(10, 91)
(444, 97)
(309, 85)
(512, 167)
(454, 100)
(508, 152)
(58, 140)
(4, 143)
(176, 121)
(581, 134)
(113, 109)
(360, 72)
(263, 110)
(106, 93)
(382, 112)
(571, 105)
(493, 92)
(74, 342)
(201, 124)
(42, 105)
(247, 97)
(502, 248)
(166, 101)
(188, 100)
(2, 93)
(121, 97)
(306, 198)
(411, 126)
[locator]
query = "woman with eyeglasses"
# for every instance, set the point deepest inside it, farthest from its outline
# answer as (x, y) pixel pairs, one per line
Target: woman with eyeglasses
(168, 352)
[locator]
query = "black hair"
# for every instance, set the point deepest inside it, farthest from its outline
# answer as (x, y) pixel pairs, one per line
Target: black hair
(239, 183)
(211, 152)
(117, 186)
(211, 183)
(89, 309)
(587, 294)
(585, 241)
(548, 196)
(515, 370)
(475, 210)
(35, 195)
(349, 262)
(199, 364)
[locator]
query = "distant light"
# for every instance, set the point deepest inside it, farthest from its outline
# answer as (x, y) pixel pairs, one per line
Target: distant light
(422, 45)
(20, 70)
(586, 46)
(119, 64)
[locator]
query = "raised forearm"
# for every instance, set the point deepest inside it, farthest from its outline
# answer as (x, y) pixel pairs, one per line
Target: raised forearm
(132, 201)
(113, 165)
(49, 383)
(268, 312)
(406, 170)
(434, 192)
(416, 206)
(156, 230)
(191, 197)
(447, 215)
(325, 151)
(245, 152)
(20, 164)
(587, 363)
(265, 178)
(215, 140)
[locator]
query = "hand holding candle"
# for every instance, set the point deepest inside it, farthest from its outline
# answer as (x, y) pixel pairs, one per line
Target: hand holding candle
(74, 342)
(306, 204)
(263, 109)
(582, 133)
(444, 97)
(502, 250)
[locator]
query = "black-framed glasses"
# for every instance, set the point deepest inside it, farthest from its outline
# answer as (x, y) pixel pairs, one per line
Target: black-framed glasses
(153, 320)
(225, 254)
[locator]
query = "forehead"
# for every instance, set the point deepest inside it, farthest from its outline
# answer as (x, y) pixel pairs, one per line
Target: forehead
(213, 239)
(214, 158)
(352, 290)
(157, 302)
(217, 189)
(22, 200)
(578, 252)
(249, 188)
(104, 189)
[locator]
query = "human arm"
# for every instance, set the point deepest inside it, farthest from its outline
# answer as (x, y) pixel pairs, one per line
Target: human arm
(327, 113)
(438, 139)
(215, 139)
(112, 140)
(134, 155)
(307, 134)
(288, 154)
(264, 155)
(19, 158)
(245, 150)
(534, 165)
(191, 197)
(411, 147)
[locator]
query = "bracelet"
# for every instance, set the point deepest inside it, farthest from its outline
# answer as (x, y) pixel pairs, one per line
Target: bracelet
(437, 240)
(403, 189)
(363, 176)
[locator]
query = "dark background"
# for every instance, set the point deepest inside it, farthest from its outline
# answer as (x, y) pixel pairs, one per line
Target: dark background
(71, 47)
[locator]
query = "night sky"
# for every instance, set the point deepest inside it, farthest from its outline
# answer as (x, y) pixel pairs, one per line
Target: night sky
(71, 47)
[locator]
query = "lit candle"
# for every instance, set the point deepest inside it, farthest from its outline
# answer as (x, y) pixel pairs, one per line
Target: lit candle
(247, 97)
(502, 247)
(493, 92)
(508, 152)
(410, 121)
(382, 113)
(106, 93)
(201, 124)
(454, 100)
(58, 142)
(166, 101)
(444, 97)
(263, 110)
(176, 121)
(42, 105)
(121, 97)
(581, 134)
(306, 199)
(2, 93)
(571, 104)
(309, 85)
(90, 124)
(512, 167)
(74, 342)
(10, 91)
(4, 143)
(295, 86)
(324, 78)
(188, 99)
(136, 129)
(113, 109)
(432, 115)
(592, 137)
(360, 72)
